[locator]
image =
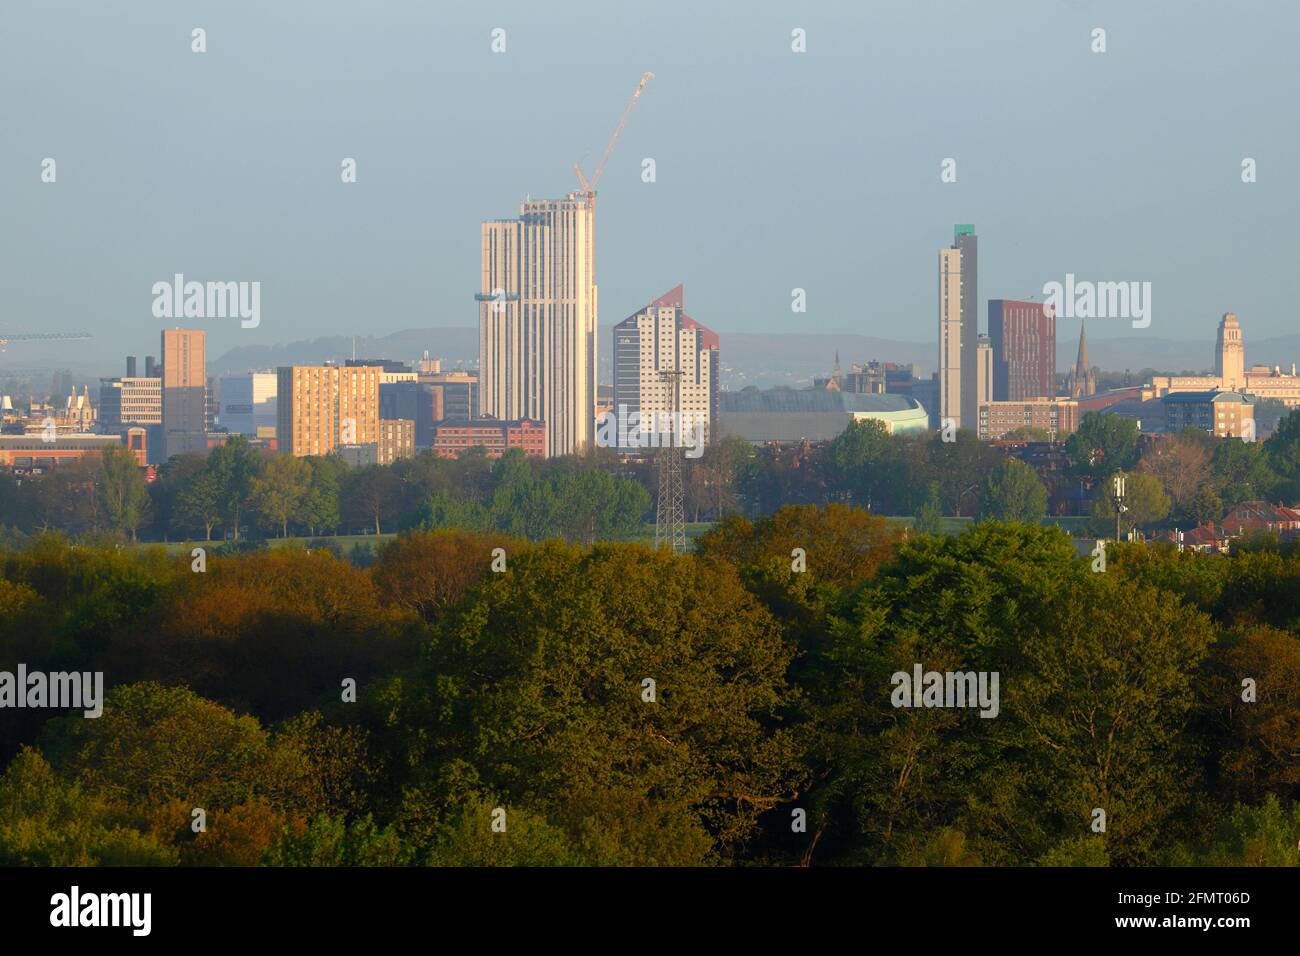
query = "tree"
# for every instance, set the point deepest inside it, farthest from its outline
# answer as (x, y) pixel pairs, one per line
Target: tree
(198, 503)
(1105, 694)
(66, 498)
(234, 464)
(960, 467)
(430, 572)
(1027, 433)
(1181, 463)
(10, 502)
(1268, 413)
(1241, 471)
(534, 693)
(1263, 835)
(48, 821)
(1205, 507)
(929, 517)
(859, 460)
(1283, 451)
(369, 494)
(333, 841)
(318, 508)
(277, 493)
(1258, 740)
(122, 489)
(712, 481)
(173, 477)
(1014, 493)
(842, 546)
(1103, 444)
(1145, 503)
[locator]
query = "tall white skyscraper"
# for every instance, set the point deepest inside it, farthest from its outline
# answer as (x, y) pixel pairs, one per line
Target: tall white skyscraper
(537, 320)
(949, 336)
(959, 330)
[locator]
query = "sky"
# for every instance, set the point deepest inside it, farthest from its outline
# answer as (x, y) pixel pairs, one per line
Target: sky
(775, 170)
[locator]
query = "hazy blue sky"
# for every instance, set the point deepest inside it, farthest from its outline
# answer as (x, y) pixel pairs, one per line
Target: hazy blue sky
(775, 170)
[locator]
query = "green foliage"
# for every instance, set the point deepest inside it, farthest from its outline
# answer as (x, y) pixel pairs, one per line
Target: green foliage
(1013, 493)
(1263, 835)
(1241, 471)
(121, 487)
(929, 517)
(1103, 444)
(1145, 503)
(47, 821)
(524, 690)
(277, 493)
(1282, 449)
(333, 841)
(1077, 851)
(585, 505)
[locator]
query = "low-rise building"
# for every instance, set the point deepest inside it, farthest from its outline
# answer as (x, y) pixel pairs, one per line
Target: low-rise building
(451, 438)
(36, 452)
(1223, 414)
(1057, 417)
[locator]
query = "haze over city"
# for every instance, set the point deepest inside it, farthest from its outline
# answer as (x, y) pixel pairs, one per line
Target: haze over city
(775, 170)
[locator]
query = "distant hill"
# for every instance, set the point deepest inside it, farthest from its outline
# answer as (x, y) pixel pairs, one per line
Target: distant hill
(452, 345)
(748, 358)
(764, 360)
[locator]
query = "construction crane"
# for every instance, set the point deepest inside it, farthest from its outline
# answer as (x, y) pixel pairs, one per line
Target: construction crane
(589, 186)
(7, 337)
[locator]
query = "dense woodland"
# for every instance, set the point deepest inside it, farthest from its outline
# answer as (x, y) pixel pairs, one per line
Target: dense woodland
(522, 689)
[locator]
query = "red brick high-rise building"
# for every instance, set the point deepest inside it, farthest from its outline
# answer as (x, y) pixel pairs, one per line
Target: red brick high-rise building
(1023, 338)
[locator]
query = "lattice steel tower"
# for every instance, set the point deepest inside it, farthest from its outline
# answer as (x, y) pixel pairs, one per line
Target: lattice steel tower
(670, 521)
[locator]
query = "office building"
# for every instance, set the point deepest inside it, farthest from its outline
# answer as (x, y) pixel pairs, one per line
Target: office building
(1023, 338)
(1224, 414)
(662, 338)
(248, 403)
(184, 392)
(319, 407)
(396, 440)
(452, 438)
(130, 401)
(1057, 417)
(959, 328)
(537, 320)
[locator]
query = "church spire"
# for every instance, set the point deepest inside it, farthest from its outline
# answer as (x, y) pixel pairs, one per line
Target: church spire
(1082, 380)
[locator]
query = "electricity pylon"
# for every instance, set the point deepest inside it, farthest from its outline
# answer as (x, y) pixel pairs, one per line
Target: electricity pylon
(670, 520)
